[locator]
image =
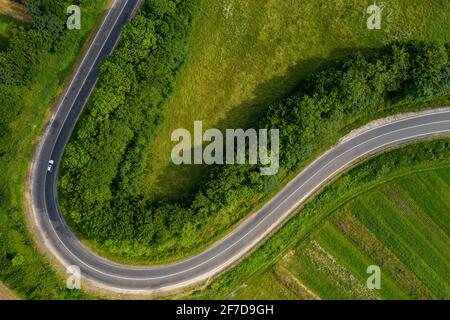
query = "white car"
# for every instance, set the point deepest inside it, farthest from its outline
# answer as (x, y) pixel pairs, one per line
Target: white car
(50, 165)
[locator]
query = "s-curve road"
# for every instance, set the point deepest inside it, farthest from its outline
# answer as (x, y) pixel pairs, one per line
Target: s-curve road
(65, 246)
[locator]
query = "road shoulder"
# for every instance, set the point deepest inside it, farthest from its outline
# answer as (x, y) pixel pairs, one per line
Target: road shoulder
(6, 293)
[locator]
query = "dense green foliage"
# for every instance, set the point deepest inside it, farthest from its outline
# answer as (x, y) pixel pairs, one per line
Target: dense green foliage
(105, 155)
(406, 234)
(357, 87)
(256, 271)
(18, 63)
(35, 60)
(103, 169)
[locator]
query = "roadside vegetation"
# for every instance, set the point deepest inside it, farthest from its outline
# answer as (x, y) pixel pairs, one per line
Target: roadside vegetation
(104, 185)
(391, 211)
(35, 60)
(16, 9)
(107, 181)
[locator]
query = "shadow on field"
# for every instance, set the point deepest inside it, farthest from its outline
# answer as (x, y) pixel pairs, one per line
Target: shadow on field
(181, 182)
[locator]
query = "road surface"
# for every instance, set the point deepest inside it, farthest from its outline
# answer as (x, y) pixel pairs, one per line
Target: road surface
(62, 243)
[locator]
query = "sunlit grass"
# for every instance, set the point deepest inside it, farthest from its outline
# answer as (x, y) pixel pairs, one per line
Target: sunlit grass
(245, 54)
(22, 267)
(388, 227)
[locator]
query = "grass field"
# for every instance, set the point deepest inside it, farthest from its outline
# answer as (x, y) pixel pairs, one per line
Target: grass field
(7, 25)
(245, 54)
(22, 268)
(402, 226)
(14, 9)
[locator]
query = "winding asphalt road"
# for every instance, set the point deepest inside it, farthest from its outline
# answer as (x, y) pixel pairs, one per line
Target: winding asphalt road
(63, 244)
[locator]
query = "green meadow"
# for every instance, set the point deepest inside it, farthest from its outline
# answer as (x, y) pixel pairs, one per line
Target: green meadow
(243, 55)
